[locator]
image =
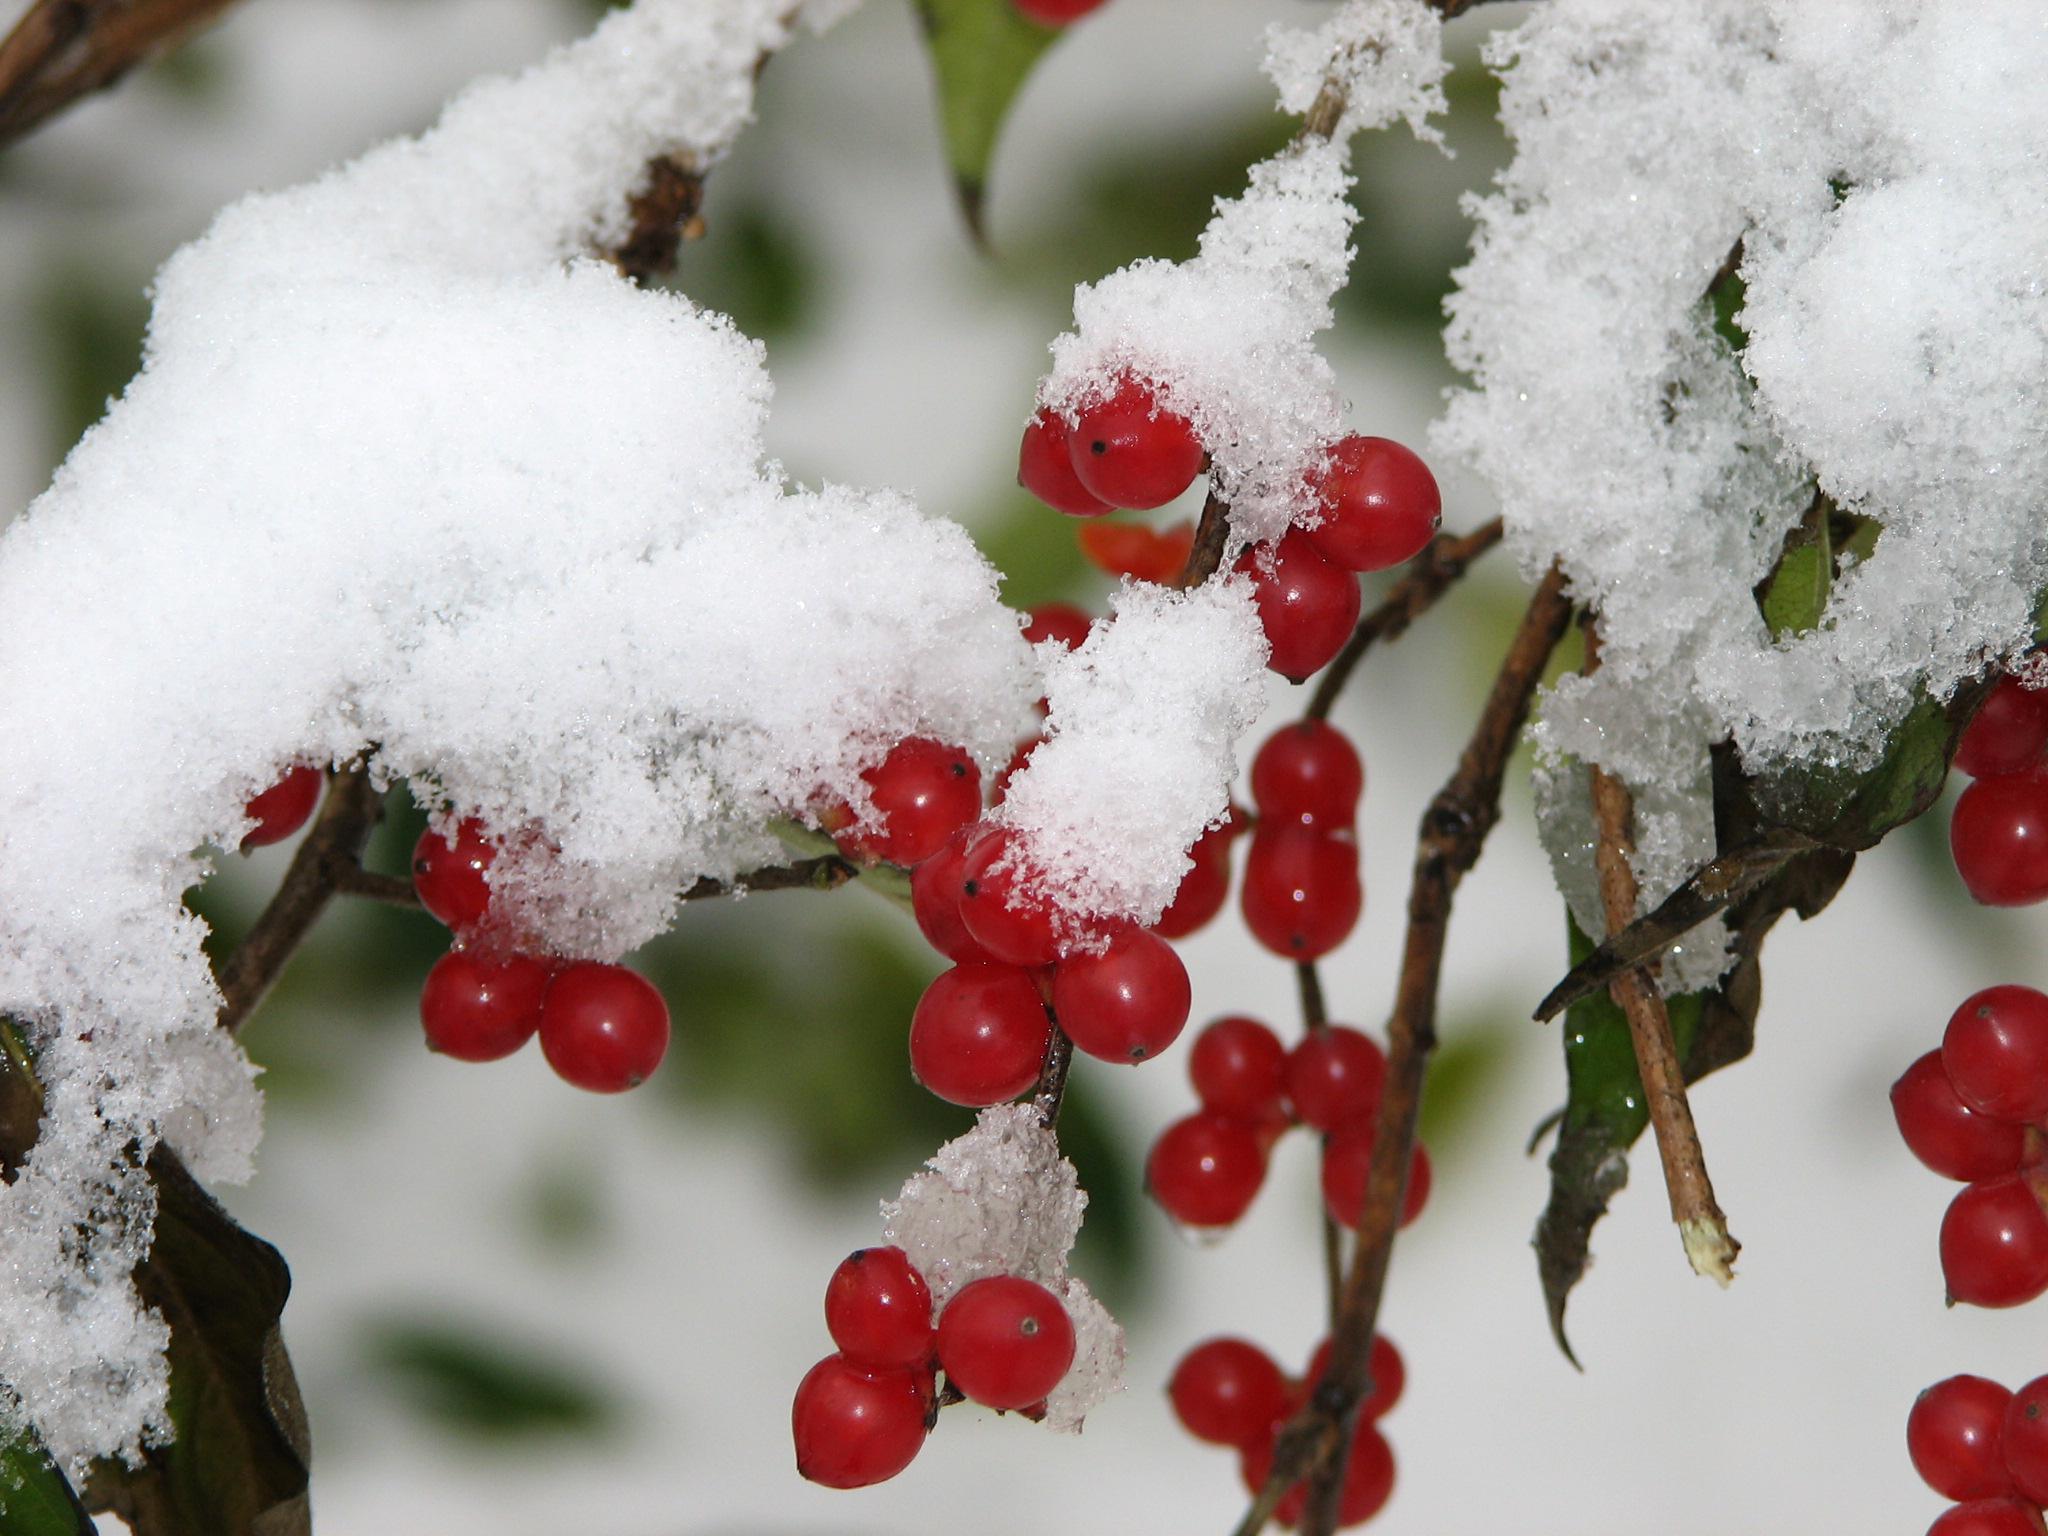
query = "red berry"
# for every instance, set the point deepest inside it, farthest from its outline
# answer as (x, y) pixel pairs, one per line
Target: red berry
(1334, 1076)
(1945, 1133)
(481, 1006)
(1206, 1170)
(1308, 773)
(1998, 835)
(2008, 734)
(1131, 452)
(1000, 790)
(855, 1426)
(1058, 621)
(1005, 1341)
(923, 793)
(1239, 1068)
(1379, 505)
(879, 1309)
(1228, 1392)
(935, 886)
(451, 878)
(603, 1027)
(2024, 1436)
(1384, 1368)
(1989, 1517)
(1995, 1052)
(1133, 550)
(1994, 1243)
(1954, 1435)
(1127, 1003)
(283, 808)
(1301, 894)
(1255, 1465)
(1368, 1476)
(1045, 468)
(1307, 606)
(1000, 911)
(1347, 1164)
(979, 1034)
(1055, 13)
(1205, 887)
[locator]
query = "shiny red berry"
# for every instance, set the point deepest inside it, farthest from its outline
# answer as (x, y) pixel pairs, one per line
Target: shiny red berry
(1131, 452)
(1945, 1133)
(1055, 13)
(854, 1426)
(1347, 1165)
(2008, 734)
(2024, 1437)
(1228, 1392)
(879, 1309)
(451, 877)
(1239, 1068)
(935, 886)
(1379, 504)
(979, 1034)
(1204, 888)
(1005, 1341)
(1000, 790)
(1126, 1004)
(1368, 1476)
(1045, 468)
(1001, 911)
(1062, 622)
(1955, 1436)
(283, 808)
(1989, 1517)
(603, 1027)
(1994, 1243)
(1308, 773)
(1301, 894)
(478, 1006)
(1998, 835)
(1995, 1052)
(1206, 1170)
(923, 793)
(1307, 606)
(1334, 1076)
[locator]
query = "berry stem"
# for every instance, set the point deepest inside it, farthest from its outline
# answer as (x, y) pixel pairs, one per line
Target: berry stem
(1051, 1091)
(1313, 1014)
(1212, 533)
(1709, 1246)
(826, 872)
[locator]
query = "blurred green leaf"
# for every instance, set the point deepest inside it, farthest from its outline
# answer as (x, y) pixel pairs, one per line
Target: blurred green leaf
(1472, 1061)
(752, 267)
(1795, 595)
(35, 1498)
(88, 323)
(982, 52)
(484, 1385)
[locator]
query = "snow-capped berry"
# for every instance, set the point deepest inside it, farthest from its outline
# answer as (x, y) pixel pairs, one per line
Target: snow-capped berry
(2024, 1439)
(998, 908)
(854, 1426)
(1307, 606)
(603, 1027)
(1995, 1052)
(1994, 1243)
(1379, 505)
(1130, 451)
(935, 887)
(1238, 1067)
(979, 1034)
(1334, 1076)
(879, 1310)
(452, 878)
(2008, 734)
(1126, 1004)
(1062, 622)
(1228, 1392)
(1308, 773)
(1998, 835)
(1133, 550)
(479, 1006)
(1989, 1517)
(283, 808)
(1055, 13)
(1945, 1133)
(1347, 1165)
(1955, 1436)
(1205, 887)
(1205, 1170)
(1045, 468)
(923, 792)
(1005, 1341)
(1301, 894)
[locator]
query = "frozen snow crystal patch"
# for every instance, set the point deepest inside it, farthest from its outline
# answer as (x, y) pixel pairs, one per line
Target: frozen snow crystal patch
(1385, 56)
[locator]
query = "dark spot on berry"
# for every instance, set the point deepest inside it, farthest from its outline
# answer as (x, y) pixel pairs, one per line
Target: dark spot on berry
(1028, 1327)
(970, 887)
(1098, 447)
(959, 770)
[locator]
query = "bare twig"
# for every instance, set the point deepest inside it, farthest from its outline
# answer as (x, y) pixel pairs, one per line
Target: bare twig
(1709, 1246)
(1051, 1091)
(1313, 1013)
(62, 50)
(666, 211)
(827, 872)
(1435, 571)
(1212, 533)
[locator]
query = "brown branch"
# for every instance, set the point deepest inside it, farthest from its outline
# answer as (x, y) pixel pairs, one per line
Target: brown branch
(1435, 571)
(827, 872)
(1454, 830)
(62, 50)
(392, 890)
(1709, 1246)
(666, 211)
(1313, 1013)
(334, 844)
(1051, 1091)
(1212, 533)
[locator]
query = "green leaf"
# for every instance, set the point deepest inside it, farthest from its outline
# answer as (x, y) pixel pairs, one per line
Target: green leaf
(237, 1466)
(1794, 596)
(982, 51)
(485, 1385)
(35, 1498)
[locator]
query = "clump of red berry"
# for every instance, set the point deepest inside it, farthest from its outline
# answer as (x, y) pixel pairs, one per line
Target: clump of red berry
(283, 808)
(1986, 1448)
(861, 1415)
(1122, 449)
(1302, 894)
(923, 792)
(1998, 832)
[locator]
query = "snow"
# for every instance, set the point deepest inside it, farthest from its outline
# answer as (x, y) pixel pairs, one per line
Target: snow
(1897, 356)
(1385, 56)
(1000, 1200)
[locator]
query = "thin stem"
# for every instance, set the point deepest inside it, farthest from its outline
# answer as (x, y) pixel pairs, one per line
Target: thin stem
(826, 872)
(1313, 1013)
(1212, 533)
(61, 50)
(1051, 1091)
